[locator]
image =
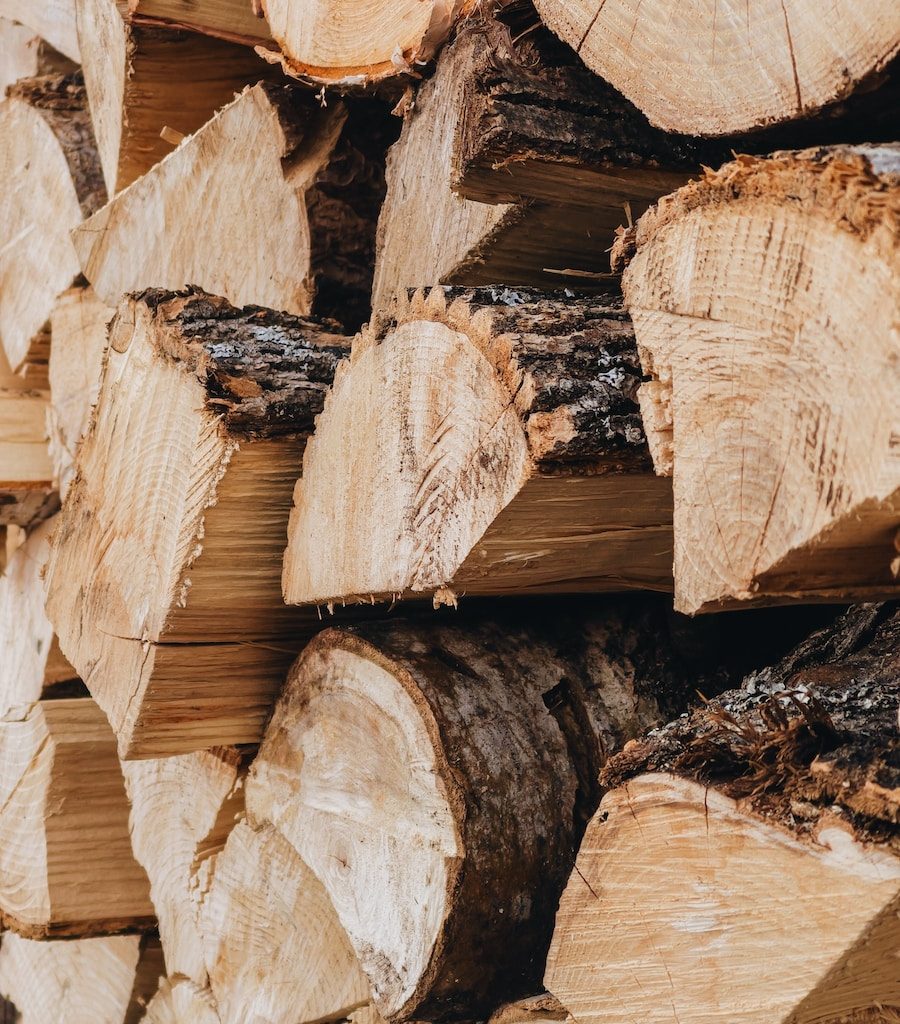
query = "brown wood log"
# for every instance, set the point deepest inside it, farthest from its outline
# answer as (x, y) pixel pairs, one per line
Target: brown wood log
(428, 234)
(320, 43)
(539, 1009)
(307, 225)
(274, 948)
(78, 328)
(772, 399)
(760, 830)
(481, 442)
(53, 20)
(142, 78)
(182, 810)
(30, 658)
(49, 181)
(765, 63)
(27, 492)
(82, 981)
(232, 20)
(172, 613)
(66, 866)
(436, 778)
(23, 54)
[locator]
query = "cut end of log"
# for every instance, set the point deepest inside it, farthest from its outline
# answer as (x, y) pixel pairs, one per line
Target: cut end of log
(449, 417)
(772, 398)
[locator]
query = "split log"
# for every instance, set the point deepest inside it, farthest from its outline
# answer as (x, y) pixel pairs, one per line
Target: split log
(49, 181)
(85, 981)
(181, 1002)
(25, 55)
(445, 843)
(66, 866)
(142, 78)
(761, 830)
(233, 20)
(27, 493)
(182, 810)
(692, 72)
(320, 43)
(78, 328)
(53, 20)
(428, 235)
(173, 617)
(274, 947)
(308, 221)
(30, 658)
(486, 442)
(540, 1009)
(773, 394)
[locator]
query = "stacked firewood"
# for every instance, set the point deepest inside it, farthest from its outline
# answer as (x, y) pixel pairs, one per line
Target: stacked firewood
(450, 512)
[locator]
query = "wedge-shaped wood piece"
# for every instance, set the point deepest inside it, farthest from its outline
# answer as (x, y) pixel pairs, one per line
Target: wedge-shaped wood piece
(486, 442)
(81, 981)
(261, 248)
(30, 658)
(227, 19)
(181, 1002)
(53, 20)
(171, 611)
(788, 859)
(274, 947)
(49, 180)
(774, 375)
(142, 78)
(182, 810)
(323, 41)
(27, 492)
(78, 329)
(539, 1009)
(771, 61)
(490, 736)
(428, 234)
(67, 866)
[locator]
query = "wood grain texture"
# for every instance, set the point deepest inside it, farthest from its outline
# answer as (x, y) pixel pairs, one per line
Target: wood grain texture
(27, 492)
(485, 442)
(773, 376)
(188, 637)
(713, 69)
(53, 20)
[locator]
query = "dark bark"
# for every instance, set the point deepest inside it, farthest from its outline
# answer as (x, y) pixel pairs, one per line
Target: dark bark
(266, 372)
(62, 101)
(814, 734)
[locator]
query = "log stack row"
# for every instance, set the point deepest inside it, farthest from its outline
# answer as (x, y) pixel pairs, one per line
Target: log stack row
(450, 504)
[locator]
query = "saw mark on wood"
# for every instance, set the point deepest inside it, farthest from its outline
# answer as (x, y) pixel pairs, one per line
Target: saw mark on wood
(587, 31)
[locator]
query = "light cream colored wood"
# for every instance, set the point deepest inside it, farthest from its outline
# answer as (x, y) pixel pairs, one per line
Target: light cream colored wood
(26, 476)
(189, 637)
(274, 947)
(80, 981)
(182, 809)
(30, 658)
(53, 20)
(424, 478)
(259, 253)
(39, 206)
(66, 866)
(181, 1002)
(142, 78)
(678, 890)
(772, 353)
(427, 233)
(18, 52)
(78, 325)
(332, 42)
(715, 67)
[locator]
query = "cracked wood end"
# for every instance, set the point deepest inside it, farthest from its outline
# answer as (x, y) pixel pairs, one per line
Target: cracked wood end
(203, 413)
(67, 867)
(759, 63)
(774, 376)
(486, 442)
